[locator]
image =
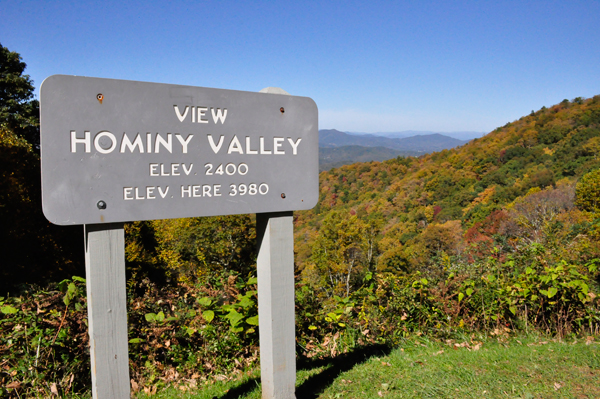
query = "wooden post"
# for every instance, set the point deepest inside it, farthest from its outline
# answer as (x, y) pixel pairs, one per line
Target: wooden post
(276, 312)
(107, 310)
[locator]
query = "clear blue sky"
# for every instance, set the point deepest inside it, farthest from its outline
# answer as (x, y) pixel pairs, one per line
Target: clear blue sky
(375, 66)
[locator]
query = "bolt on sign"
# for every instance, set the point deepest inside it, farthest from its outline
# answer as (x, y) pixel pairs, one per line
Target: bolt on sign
(116, 151)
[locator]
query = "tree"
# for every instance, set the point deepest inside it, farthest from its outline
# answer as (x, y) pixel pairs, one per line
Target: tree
(19, 112)
(531, 217)
(33, 250)
(587, 192)
(193, 248)
(340, 253)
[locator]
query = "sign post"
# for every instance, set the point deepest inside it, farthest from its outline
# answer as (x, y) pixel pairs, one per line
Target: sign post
(276, 313)
(114, 151)
(107, 310)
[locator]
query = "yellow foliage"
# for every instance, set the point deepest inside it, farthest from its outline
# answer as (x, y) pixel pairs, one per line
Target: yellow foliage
(483, 198)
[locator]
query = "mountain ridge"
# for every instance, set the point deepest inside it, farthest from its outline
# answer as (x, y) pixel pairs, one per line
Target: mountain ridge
(421, 144)
(460, 135)
(439, 204)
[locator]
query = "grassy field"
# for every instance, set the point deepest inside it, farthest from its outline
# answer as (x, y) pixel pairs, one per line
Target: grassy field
(531, 367)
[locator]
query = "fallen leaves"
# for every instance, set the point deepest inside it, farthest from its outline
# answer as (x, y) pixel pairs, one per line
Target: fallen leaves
(589, 340)
(150, 391)
(472, 346)
(557, 386)
(14, 385)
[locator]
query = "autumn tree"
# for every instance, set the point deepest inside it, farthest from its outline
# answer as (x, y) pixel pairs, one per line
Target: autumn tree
(588, 192)
(340, 253)
(192, 248)
(531, 217)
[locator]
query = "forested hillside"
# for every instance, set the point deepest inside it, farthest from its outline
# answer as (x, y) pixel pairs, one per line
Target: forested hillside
(334, 157)
(497, 195)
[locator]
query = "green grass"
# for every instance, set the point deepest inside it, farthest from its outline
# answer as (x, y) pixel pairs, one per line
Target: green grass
(530, 367)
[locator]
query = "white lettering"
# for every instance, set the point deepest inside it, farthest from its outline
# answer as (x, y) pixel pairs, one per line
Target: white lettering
(179, 116)
(149, 142)
(201, 114)
(219, 115)
(137, 194)
(262, 147)
(163, 194)
(186, 170)
(230, 169)
(100, 145)
(214, 147)
(277, 143)
(162, 170)
(85, 141)
(197, 190)
(136, 143)
(159, 169)
(235, 146)
(248, 149)
(185, 191)
(168, 144)
(184, 143)
(294, 145)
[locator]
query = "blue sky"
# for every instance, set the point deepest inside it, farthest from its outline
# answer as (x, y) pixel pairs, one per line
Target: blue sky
(376, 66)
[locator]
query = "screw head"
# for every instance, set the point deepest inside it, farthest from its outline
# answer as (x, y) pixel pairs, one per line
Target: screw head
(101, 205)
(282, 195)
(100, 97)
(282, 110)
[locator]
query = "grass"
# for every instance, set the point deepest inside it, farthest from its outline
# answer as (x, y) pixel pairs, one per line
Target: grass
(531, 367)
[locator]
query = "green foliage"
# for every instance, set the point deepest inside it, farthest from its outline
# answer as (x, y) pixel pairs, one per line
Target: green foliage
(44, 342)
(507, 297)
(341, 254)
(192, 249)
(192, 330)
(19, 113)
(588, 192)
(34, 251)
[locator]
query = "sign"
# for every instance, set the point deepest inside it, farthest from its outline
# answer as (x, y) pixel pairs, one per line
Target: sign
(116, 151)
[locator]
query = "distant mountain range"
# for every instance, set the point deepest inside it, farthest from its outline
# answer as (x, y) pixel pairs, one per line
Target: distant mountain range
(338, 148)
(410, 133)
(334, 157)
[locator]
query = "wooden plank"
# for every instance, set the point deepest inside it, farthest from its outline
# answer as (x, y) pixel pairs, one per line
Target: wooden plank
(276, 310)
(107, 310)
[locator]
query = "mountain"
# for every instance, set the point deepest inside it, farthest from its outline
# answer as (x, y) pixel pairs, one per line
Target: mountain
(499, 197)
(409, 133)
(334, 157)
(421, 144)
